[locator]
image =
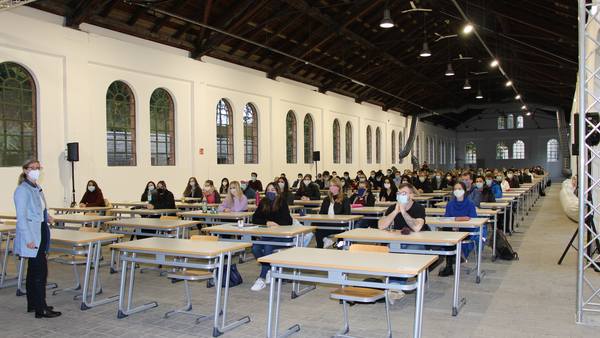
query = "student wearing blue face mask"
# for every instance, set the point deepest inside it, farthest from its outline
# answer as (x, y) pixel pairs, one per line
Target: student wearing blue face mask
(248, 192)
(192, 189)
(147, 194)
(255, 183)
(272, 211)
(297, 181)
(487, 195)
(364, 197)
(397, 179)
(93, 196)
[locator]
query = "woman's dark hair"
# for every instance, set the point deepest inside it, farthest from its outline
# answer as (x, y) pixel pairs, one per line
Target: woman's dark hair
(408, 179)
(223, 188)
(94, 184)
(304, 187)
(391, 182)
(145, 193)
(346, 184)
(462, 184)
(159, 197)
(286, 185)
(266, 203)
(188, 187)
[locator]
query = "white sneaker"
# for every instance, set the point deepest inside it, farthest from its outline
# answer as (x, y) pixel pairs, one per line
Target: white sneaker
(268, 278)
(258, 285)
(327, 243)
(393, 296)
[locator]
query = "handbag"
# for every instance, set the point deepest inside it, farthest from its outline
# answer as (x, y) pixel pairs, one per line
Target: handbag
(235, 278)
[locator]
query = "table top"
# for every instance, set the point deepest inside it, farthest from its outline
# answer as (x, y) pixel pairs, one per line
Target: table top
(356, 261)
(80, 237)
(252, 207)
(8, 214)
(288, 230)
(153, 223)
(145, 211)
(506, 199)
(180, 247)
(219, 215)
(80, 209)
(76, 218)
(130, 204)
(421, 236)
(436, 194)
(7, 228)
(483, 204)
(449, 223)
(369, 210)
(311, 202)
(442, 211)
(327, 218)
(416, 198)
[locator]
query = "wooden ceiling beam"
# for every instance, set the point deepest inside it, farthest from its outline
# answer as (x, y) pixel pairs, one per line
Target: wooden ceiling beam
(109, 7)
(166, 18)
(80, 12)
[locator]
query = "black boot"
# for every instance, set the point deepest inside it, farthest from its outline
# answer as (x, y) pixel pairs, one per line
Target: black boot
(447, 270)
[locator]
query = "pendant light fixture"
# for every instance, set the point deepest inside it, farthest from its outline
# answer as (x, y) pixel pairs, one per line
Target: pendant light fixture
(425, 51)
(467, 85)
(479, 96)
(449, 71)
(387, 21)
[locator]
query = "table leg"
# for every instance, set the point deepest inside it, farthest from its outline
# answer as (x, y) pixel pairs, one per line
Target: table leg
(456, 304)
(121, 313)
(217, 331)
(494, 243)
(419, 303)
(3, 277)
(479, 256)
(84, 304)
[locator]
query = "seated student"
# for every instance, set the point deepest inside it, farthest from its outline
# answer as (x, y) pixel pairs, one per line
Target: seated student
(527, 176)
(358, 173)
(334, 174)
(439, 182)
(255, 183)
(459, 206)
(272, 211)
(192, 189)
(235, 200)
(406, 179)
(423, 184)
(335, 203)
(324, 180)
(350, 182)
(93, 196)
(472, 193)
(451, 182)
(390, 174)
(388, 193)
(161, 199)
(248, 192)
(147, 194)
(397, 179)
(297, 181)
(513, 182)
(346, 188)
(308, 190)
(487, 195)
(282, 182)
(364, 197)
(501, 181)
(283, 175)
(519, 176)
(224, 186)
(210, 194)
(492, 184)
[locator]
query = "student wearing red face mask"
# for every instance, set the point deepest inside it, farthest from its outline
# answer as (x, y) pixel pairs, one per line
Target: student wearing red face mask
(336, 203)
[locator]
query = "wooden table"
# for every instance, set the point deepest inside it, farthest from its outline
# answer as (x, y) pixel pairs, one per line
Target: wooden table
(369, 212)
(293, 208)
(335, 219)
(69, 210)
(395, 240)
(133, 204)
(8, 215)
(307, 204)
(144, 212)
(473, 223)
(220, 218)
(7, 229)
(158, 248)
(90, 244)
(94, 221)
(337, 264)
(421, 199)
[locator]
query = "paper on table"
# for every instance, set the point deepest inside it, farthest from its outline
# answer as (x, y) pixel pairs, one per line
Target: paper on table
(245, 226)
(445, 219)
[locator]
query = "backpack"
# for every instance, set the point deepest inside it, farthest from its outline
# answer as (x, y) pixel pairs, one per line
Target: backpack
(503, 248)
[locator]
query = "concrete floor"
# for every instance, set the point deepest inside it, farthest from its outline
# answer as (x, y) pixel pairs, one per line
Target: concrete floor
(527, 298)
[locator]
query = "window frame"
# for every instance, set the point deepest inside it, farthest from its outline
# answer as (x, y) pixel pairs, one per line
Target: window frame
(552, 148)
(518, 154)
(251, 140)
(291, 137)
(349, 143)
(502, 146)
(378, 145)
(393, 146)
(168, 129)
(336, 141)
(227, 156)
(309, 140)
(130, 131)
(471, 153)
(369, 145)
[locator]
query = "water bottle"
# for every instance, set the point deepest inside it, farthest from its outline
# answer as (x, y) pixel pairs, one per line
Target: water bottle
(257, 201)
(377, 198)
(64, 202)
(204, 206)
(182, 198)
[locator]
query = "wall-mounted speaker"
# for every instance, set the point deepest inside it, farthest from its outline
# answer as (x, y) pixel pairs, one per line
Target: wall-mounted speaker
(73, 152)
(316, 156)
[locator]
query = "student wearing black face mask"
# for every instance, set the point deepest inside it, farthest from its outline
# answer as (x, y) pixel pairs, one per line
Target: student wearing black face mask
(162, 198)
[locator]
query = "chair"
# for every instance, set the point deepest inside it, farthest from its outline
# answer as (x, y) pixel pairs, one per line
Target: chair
(363, 295)
(192, 275)
(76, 260)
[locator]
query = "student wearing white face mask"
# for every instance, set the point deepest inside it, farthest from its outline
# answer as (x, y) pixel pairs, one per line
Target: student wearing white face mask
(235, 200)
(513, 181)
(284, 189)
(388, 193)
(308, 190)
(210, 194)
(93, 196)
(502, 181)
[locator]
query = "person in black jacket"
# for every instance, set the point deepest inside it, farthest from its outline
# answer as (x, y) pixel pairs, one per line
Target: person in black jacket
(378, 182)
(298, 181)
(364, 197)
(272, 211)
(423, 184)
(147, 194)
(284, 188)
(308, 190)
(487, 195)
(389, 190)
(192, 189)
(162, 198)
(439, 182)
(336, 203)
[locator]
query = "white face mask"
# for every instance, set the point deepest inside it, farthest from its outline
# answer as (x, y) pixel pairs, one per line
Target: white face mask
(91, 188)
(509, 175)
(281, 185)
(35, 174)
(387, 185)
(207, 188)
(459, 193)
(232, 190)
(306, 183)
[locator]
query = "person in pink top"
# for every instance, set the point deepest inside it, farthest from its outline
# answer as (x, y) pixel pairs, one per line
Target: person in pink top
(235, 200)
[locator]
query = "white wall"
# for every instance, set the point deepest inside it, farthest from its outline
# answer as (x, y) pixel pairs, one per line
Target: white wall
(73, 69)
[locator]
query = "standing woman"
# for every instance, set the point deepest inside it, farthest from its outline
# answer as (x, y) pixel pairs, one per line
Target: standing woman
(272, 211)
(284, 187)
(335, 203)
(192, 189)
(388, 193)
(235, 200)
(224, 188)
(147, 194)
(93, 196)
(210, 194)
(32, 237)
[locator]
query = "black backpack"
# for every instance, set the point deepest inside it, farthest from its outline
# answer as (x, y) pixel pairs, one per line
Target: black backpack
(503, 248)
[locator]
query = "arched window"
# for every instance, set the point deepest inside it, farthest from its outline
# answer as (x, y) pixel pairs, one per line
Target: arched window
(400, 147)
(393, 146)
(348, 142)
(520, 122)
(162, 128)
(224, 133)
(427, 149)
(510, 121)
(471, 151)
(336, 141)
(18, 123)
(378, 145)
(417, 150)
(369, 145)
(518, 150)
(502, 150)
(441, 151)
(120, 125)
(452, 152)
(308, 138)
(250, 134)
(501, 122)
(552, 150)
(431, 151)
(291, 148)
